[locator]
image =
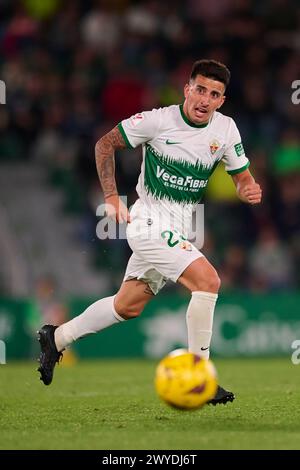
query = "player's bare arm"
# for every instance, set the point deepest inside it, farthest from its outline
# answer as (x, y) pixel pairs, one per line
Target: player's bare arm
(247, 189)
(105, 163)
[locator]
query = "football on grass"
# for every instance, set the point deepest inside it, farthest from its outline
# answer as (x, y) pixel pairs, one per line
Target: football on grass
(185, 380)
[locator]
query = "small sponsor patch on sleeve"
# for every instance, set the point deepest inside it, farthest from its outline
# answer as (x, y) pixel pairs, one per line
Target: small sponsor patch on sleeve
(239, 149)
(136, 119)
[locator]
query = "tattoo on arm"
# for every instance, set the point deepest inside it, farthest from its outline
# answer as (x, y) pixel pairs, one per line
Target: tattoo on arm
(148, 290)
(105, 160)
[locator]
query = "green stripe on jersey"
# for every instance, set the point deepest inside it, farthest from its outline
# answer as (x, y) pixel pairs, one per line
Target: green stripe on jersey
(120, 127)
(176, 180)
(187, 121)
(239, 170)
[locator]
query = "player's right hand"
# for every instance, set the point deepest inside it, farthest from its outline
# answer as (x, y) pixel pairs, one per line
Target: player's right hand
(116, 209)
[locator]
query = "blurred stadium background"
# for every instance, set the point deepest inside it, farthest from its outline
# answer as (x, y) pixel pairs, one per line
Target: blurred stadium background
(74, 69)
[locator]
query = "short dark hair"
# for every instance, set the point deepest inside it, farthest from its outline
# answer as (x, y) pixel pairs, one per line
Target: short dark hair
(211, 69)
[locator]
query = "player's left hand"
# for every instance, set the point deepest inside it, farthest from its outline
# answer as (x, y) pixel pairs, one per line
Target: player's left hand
(251, 193)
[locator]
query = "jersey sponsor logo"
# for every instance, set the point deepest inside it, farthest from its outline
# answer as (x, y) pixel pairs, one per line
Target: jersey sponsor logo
(136, 119)
(239, 149)
(175, 179)
(170, 142)
(180, 182)
(214, 146)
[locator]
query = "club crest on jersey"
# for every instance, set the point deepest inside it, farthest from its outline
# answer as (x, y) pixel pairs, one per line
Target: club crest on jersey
(214, 146)
(185, 245)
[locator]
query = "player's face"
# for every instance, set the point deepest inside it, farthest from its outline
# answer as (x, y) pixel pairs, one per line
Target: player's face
(202, 97)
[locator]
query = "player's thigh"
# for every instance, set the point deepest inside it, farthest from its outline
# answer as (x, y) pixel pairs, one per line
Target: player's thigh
(168, 253)
(200, 275)
(132, 297)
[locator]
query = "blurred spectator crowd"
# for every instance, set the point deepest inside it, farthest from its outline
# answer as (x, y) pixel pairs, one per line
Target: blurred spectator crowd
(73, 69)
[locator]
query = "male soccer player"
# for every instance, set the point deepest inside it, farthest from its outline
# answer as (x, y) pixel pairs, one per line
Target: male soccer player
(182, 145)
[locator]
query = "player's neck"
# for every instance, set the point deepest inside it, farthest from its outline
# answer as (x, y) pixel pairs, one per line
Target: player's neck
(186, 118)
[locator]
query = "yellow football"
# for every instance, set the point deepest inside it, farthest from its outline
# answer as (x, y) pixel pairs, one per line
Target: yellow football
(185, 380)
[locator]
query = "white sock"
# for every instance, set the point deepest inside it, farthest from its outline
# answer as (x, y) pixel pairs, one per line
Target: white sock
(199, 319)
(96, 317)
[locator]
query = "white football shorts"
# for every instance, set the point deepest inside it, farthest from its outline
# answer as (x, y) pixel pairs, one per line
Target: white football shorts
(159, 252)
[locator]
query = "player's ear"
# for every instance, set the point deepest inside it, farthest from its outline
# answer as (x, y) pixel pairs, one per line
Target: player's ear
(186, 90)
(222, 101)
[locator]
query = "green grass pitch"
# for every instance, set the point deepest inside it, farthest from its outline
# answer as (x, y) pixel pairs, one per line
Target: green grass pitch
(111, 404)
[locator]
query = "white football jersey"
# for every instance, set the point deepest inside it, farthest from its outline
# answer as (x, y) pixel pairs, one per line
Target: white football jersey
(179, 157)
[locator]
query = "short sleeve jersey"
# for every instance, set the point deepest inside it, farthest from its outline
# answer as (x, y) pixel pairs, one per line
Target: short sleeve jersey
(180, 156)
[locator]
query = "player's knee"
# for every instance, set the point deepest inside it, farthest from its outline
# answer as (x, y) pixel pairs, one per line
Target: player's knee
(130, 313)
(214, 283)
(211, 283)
(127, 312)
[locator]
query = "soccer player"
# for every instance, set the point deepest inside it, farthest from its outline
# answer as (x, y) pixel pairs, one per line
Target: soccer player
(182, 145)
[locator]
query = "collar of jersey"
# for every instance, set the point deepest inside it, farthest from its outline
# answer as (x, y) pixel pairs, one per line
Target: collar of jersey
(187, 121)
